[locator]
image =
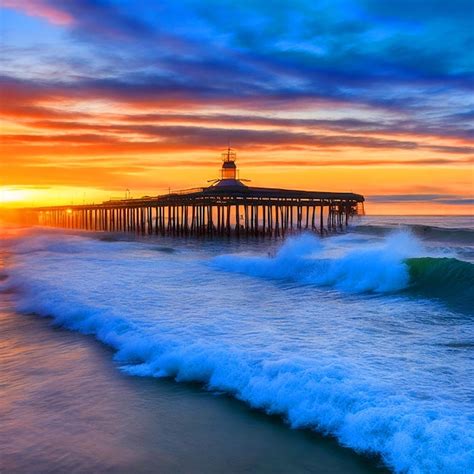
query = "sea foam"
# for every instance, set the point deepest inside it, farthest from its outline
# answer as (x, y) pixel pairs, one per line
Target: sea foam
(378, 268)
(368, 371)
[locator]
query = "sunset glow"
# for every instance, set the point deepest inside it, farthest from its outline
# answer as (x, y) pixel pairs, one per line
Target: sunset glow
(98, 98)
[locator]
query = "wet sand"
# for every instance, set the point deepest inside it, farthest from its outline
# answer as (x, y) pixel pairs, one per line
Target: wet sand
(66, 407)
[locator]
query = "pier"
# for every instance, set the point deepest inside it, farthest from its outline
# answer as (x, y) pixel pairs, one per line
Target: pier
(228, 207)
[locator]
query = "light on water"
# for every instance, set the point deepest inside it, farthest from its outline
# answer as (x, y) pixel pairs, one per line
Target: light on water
(339, 335)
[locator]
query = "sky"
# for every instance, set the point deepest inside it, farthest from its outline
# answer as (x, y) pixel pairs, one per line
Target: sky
(376, 97)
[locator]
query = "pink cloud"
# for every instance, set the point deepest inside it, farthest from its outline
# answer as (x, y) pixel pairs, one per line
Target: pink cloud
(40, 8)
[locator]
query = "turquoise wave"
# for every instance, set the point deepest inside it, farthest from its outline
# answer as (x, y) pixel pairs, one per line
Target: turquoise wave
(447, 279)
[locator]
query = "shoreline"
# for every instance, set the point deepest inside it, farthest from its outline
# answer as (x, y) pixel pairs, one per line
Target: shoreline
(340, 375)
(166, 426)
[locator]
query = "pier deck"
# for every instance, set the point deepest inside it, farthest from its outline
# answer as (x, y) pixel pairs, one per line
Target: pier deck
(228, 207)
(210, 211)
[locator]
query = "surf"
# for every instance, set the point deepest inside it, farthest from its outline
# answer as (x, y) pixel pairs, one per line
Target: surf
(395, 265)
(364, 370)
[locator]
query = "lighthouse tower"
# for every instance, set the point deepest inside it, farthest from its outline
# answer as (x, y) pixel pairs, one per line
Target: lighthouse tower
(229, 174)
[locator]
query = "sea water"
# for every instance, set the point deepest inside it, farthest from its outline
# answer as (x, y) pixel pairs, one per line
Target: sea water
(366, 336)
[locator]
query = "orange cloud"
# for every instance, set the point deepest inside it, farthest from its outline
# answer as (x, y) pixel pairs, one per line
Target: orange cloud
(71, 140)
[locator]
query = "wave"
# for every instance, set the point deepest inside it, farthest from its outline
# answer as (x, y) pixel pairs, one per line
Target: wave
(327, 397)
(355, 401)
(389, 267)
(428, 232)
(444, 278)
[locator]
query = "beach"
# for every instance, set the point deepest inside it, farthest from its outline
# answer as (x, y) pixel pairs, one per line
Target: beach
(67, 408)
(214, 350)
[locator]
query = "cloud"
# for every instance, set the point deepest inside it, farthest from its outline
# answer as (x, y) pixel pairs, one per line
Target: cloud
(199, 137)
(347, 125)
(41, 8)
(458, 201)
(434, 198)
(132, 79)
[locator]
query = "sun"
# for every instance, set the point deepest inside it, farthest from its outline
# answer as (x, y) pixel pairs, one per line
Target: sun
(12, 195)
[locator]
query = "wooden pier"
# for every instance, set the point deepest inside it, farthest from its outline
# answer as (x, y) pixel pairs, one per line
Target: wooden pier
(226, 208)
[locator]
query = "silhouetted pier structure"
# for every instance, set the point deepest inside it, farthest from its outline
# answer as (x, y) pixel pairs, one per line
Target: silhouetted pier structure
(227, 207)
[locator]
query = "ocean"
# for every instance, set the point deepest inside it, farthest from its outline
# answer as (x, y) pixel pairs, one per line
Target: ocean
(365, 339)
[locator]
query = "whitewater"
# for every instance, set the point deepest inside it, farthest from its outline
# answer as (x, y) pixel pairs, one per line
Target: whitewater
(367, 337)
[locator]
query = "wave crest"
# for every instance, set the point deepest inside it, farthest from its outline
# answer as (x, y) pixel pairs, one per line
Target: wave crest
(304, 259)
(393, 265)
(447, 278)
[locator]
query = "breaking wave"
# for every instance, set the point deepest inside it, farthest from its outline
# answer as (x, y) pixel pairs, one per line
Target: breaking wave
(444, 278)
(387, 267)
(316, 372)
